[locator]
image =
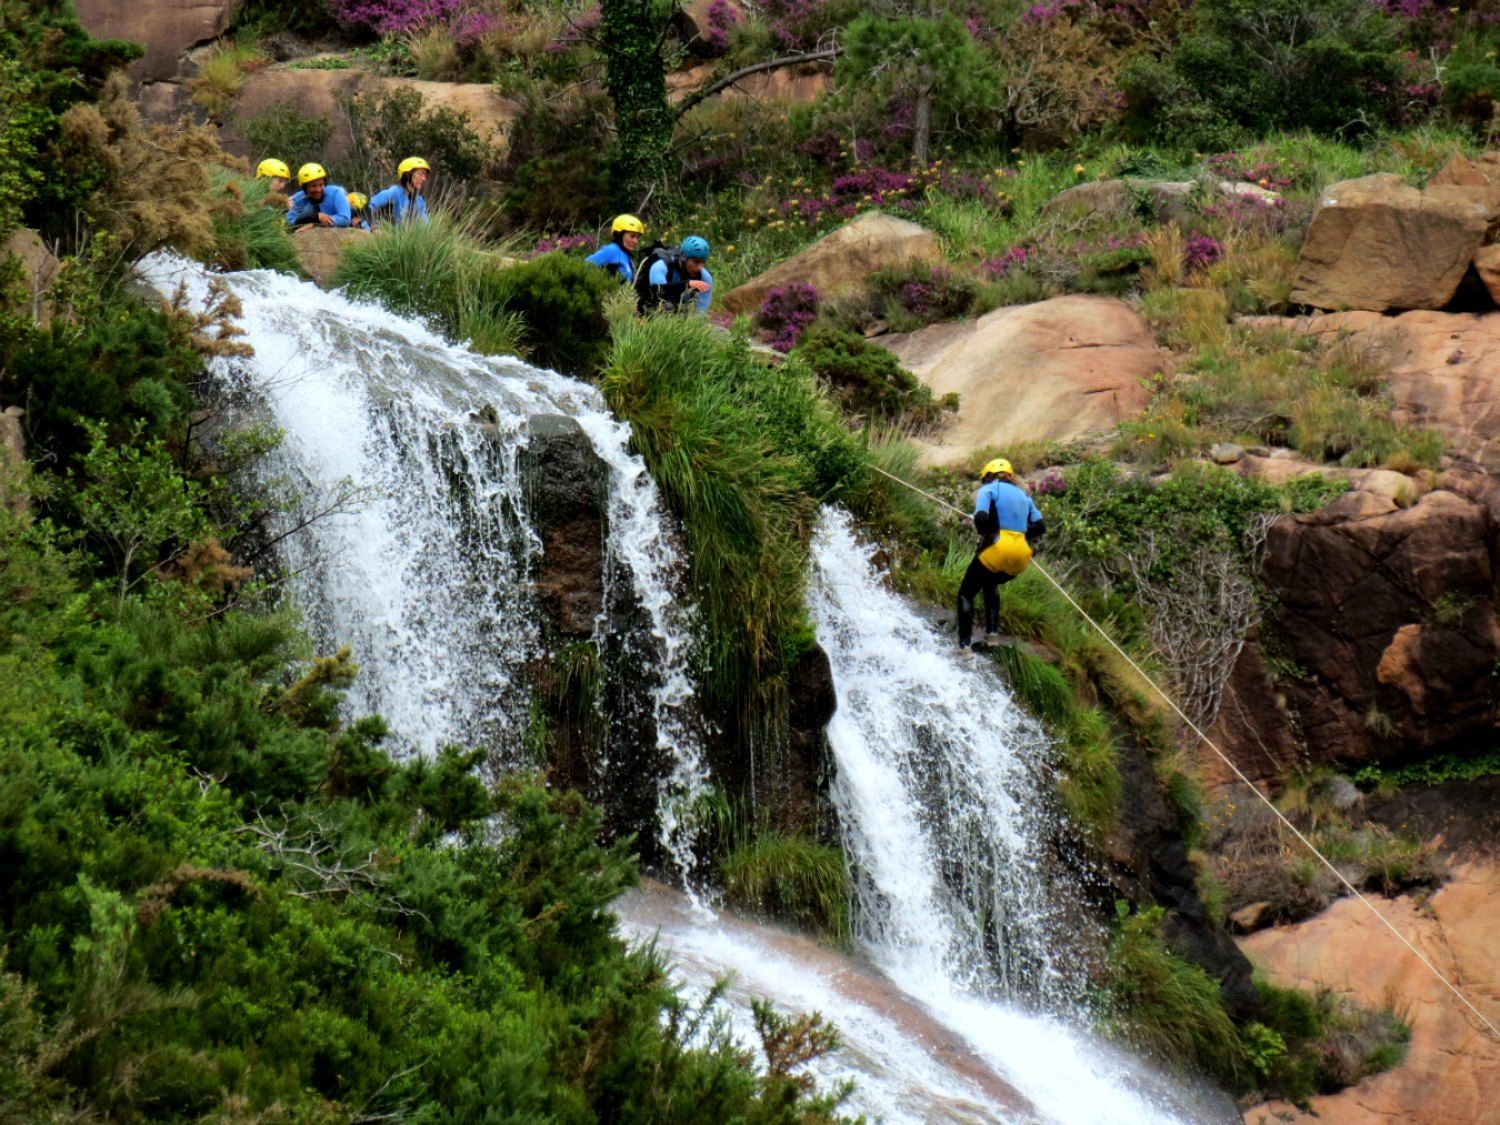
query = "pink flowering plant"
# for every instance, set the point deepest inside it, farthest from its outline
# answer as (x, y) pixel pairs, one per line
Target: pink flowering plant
(785, 314)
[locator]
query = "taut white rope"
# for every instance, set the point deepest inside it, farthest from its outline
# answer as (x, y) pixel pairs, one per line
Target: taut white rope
(1339, 875)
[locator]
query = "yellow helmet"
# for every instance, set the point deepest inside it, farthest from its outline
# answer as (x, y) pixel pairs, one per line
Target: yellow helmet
(627, 222)
(310, 172)
(357, 200)
(411, 164)
(997, 466)
(270, 166)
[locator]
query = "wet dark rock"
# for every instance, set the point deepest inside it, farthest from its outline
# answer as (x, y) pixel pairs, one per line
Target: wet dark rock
(565, 483)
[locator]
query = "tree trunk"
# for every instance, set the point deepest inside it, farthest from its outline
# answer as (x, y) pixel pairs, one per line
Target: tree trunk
(921, 126)
(635, 77)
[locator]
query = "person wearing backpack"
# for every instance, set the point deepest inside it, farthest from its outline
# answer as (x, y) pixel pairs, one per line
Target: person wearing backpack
(666, 277)
(1008, 523)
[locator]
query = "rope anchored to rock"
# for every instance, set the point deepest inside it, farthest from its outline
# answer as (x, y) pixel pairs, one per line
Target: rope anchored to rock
(1323, 859)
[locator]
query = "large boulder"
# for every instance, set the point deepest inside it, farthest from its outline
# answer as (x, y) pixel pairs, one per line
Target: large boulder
(321, 249)
(1443, 370)
(840, 261)
(1386, 618)
(316, 93)
(1057, 370)
(1452, 1068)
(1378, 243)
(168, 29)
(1165, 200)
(39, 269)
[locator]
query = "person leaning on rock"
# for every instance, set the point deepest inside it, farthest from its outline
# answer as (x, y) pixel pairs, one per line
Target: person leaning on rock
(402, 202)
(319, 203)
(617, 256)
(1008, 523)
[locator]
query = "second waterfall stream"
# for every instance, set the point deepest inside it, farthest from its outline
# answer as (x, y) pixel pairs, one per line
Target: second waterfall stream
(961, 1001)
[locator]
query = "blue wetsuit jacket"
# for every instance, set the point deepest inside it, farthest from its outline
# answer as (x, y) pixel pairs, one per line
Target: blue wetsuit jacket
(612, 256)
(658, 276)
(335, 202)
(402, 207)
(1016, 510)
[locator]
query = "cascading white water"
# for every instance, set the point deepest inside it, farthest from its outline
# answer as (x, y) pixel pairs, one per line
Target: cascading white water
(940, 807)
(426, 576)
(426, 573)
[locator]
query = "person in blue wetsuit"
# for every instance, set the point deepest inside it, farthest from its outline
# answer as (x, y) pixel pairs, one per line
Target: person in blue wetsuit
(1008, 523)
(618, 254)
(402, 202)
(319, 203)
(666, 278)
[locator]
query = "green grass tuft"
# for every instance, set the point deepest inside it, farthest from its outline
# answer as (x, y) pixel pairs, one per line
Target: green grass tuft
(791, 878)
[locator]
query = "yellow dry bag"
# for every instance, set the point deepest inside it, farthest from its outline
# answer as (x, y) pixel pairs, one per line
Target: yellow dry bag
(1009, 554)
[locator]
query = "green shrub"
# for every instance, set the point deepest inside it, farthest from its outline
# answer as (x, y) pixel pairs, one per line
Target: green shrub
(920, 293)
(560, 298)
(866, 378)
(557, 161)
(285, 132)
(392, 124)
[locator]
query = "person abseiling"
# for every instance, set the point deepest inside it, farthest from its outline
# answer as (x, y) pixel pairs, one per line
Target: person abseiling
(1008, 522)
(666, 276)
(319, 203)
(274, 170)
(618, 254)
(357, 202)
(402, 202)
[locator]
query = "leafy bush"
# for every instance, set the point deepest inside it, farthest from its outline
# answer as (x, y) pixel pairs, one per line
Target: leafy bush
(553, 186)
(560, 298)
(389, 125)
(866, 379)
(919, 293)
(285, 132)
(1273, 64)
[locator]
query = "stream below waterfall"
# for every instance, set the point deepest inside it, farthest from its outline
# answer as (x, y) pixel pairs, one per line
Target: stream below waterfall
(961, 1003)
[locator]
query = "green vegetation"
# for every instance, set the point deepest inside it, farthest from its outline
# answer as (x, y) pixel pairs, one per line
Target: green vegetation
(1433, 770)
(791, 878)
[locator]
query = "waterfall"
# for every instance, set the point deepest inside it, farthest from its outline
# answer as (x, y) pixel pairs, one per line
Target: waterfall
(424, 564)
(422, 559)
(942, 811)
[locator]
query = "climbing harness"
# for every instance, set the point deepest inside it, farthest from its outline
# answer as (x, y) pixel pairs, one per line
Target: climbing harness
(1337, 874)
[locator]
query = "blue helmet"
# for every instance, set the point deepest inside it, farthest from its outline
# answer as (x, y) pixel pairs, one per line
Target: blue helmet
(695, 247)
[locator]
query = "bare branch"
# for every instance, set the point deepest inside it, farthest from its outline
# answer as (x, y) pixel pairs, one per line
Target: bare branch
(704, 92)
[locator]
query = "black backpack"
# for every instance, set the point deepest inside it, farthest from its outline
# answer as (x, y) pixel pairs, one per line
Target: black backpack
(645, 299)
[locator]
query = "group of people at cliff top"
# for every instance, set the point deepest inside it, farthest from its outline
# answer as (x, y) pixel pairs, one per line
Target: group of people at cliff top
(663, 277)
(320, 203)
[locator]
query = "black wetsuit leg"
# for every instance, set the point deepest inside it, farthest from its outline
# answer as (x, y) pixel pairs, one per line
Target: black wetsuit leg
(978, 579)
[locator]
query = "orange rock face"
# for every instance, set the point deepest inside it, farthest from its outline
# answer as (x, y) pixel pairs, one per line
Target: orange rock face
(168, 29)
(1451, 1075)
(1055, 370)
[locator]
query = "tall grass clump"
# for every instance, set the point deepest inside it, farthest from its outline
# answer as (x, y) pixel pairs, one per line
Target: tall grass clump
(744, 453)
(1166, 1006)
(791, 878)
(252, 236)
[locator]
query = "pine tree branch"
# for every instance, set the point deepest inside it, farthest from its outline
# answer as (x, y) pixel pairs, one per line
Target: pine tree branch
(705, 92)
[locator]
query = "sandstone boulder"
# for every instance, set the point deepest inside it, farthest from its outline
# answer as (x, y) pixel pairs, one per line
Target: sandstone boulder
(13, 464)
(1377, 243)
(321, 249)
(840, 261)
(168, 29)
(1452, 1068)
(316, 92)
(1444, 370)
(38, 269)
(1057, 370)
(1166, 200)
(1460, 171)
(798, 85)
